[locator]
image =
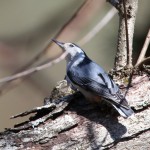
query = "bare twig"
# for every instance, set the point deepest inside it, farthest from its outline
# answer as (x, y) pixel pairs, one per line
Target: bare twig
(83, 41)
(143, 61)
(129, 51)
(11, 84)
(32, 70)
(111, 13)
(121, 55)
(81, 20)
(144, 49)
(49, 42)
(88, 37)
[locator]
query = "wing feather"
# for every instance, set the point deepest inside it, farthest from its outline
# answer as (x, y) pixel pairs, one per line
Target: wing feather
(108, 89)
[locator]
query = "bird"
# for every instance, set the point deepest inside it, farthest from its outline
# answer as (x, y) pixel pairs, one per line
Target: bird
(91, 79)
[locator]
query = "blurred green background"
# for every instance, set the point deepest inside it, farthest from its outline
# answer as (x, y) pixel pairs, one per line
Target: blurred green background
(25, 26)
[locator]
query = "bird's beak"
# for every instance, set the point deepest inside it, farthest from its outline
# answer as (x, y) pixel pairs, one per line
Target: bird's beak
(58, 43)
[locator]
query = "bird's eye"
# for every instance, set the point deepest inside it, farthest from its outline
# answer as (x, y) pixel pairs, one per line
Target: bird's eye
(71, 45)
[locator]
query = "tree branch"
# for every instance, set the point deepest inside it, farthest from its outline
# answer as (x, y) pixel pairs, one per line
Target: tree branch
(111, 13)
(33, 70)
(129, 51)
(72, 26)
(82, 125)
(9, 85)
(144, 49)
(122, 55)
(83, 41)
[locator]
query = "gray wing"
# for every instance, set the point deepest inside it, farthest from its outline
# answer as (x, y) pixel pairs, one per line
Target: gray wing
(99, 83)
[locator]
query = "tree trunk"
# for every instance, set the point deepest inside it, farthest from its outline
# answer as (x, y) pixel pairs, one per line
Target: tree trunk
(78, 124)
(69, 122)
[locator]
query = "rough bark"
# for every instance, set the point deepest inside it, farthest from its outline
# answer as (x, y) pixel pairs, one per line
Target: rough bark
(70, 122)
(74, 123)
(124, 55)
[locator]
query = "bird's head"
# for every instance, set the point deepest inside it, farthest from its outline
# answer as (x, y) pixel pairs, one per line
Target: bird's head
(71, 48)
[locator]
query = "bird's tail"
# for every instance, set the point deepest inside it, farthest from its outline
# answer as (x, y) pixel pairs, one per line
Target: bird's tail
(124, 112)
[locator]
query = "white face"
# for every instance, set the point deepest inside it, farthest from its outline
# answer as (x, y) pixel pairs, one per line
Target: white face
(72, 49)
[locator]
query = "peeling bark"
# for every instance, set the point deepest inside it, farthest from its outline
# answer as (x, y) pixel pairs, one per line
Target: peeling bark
(82, 125)
(69, 122)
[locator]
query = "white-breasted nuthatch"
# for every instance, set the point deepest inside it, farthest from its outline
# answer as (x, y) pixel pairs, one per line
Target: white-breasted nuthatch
(91, 80)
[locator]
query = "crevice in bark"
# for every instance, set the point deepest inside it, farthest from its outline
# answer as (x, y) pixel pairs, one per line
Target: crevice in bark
(80, 124)
(113, 144)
